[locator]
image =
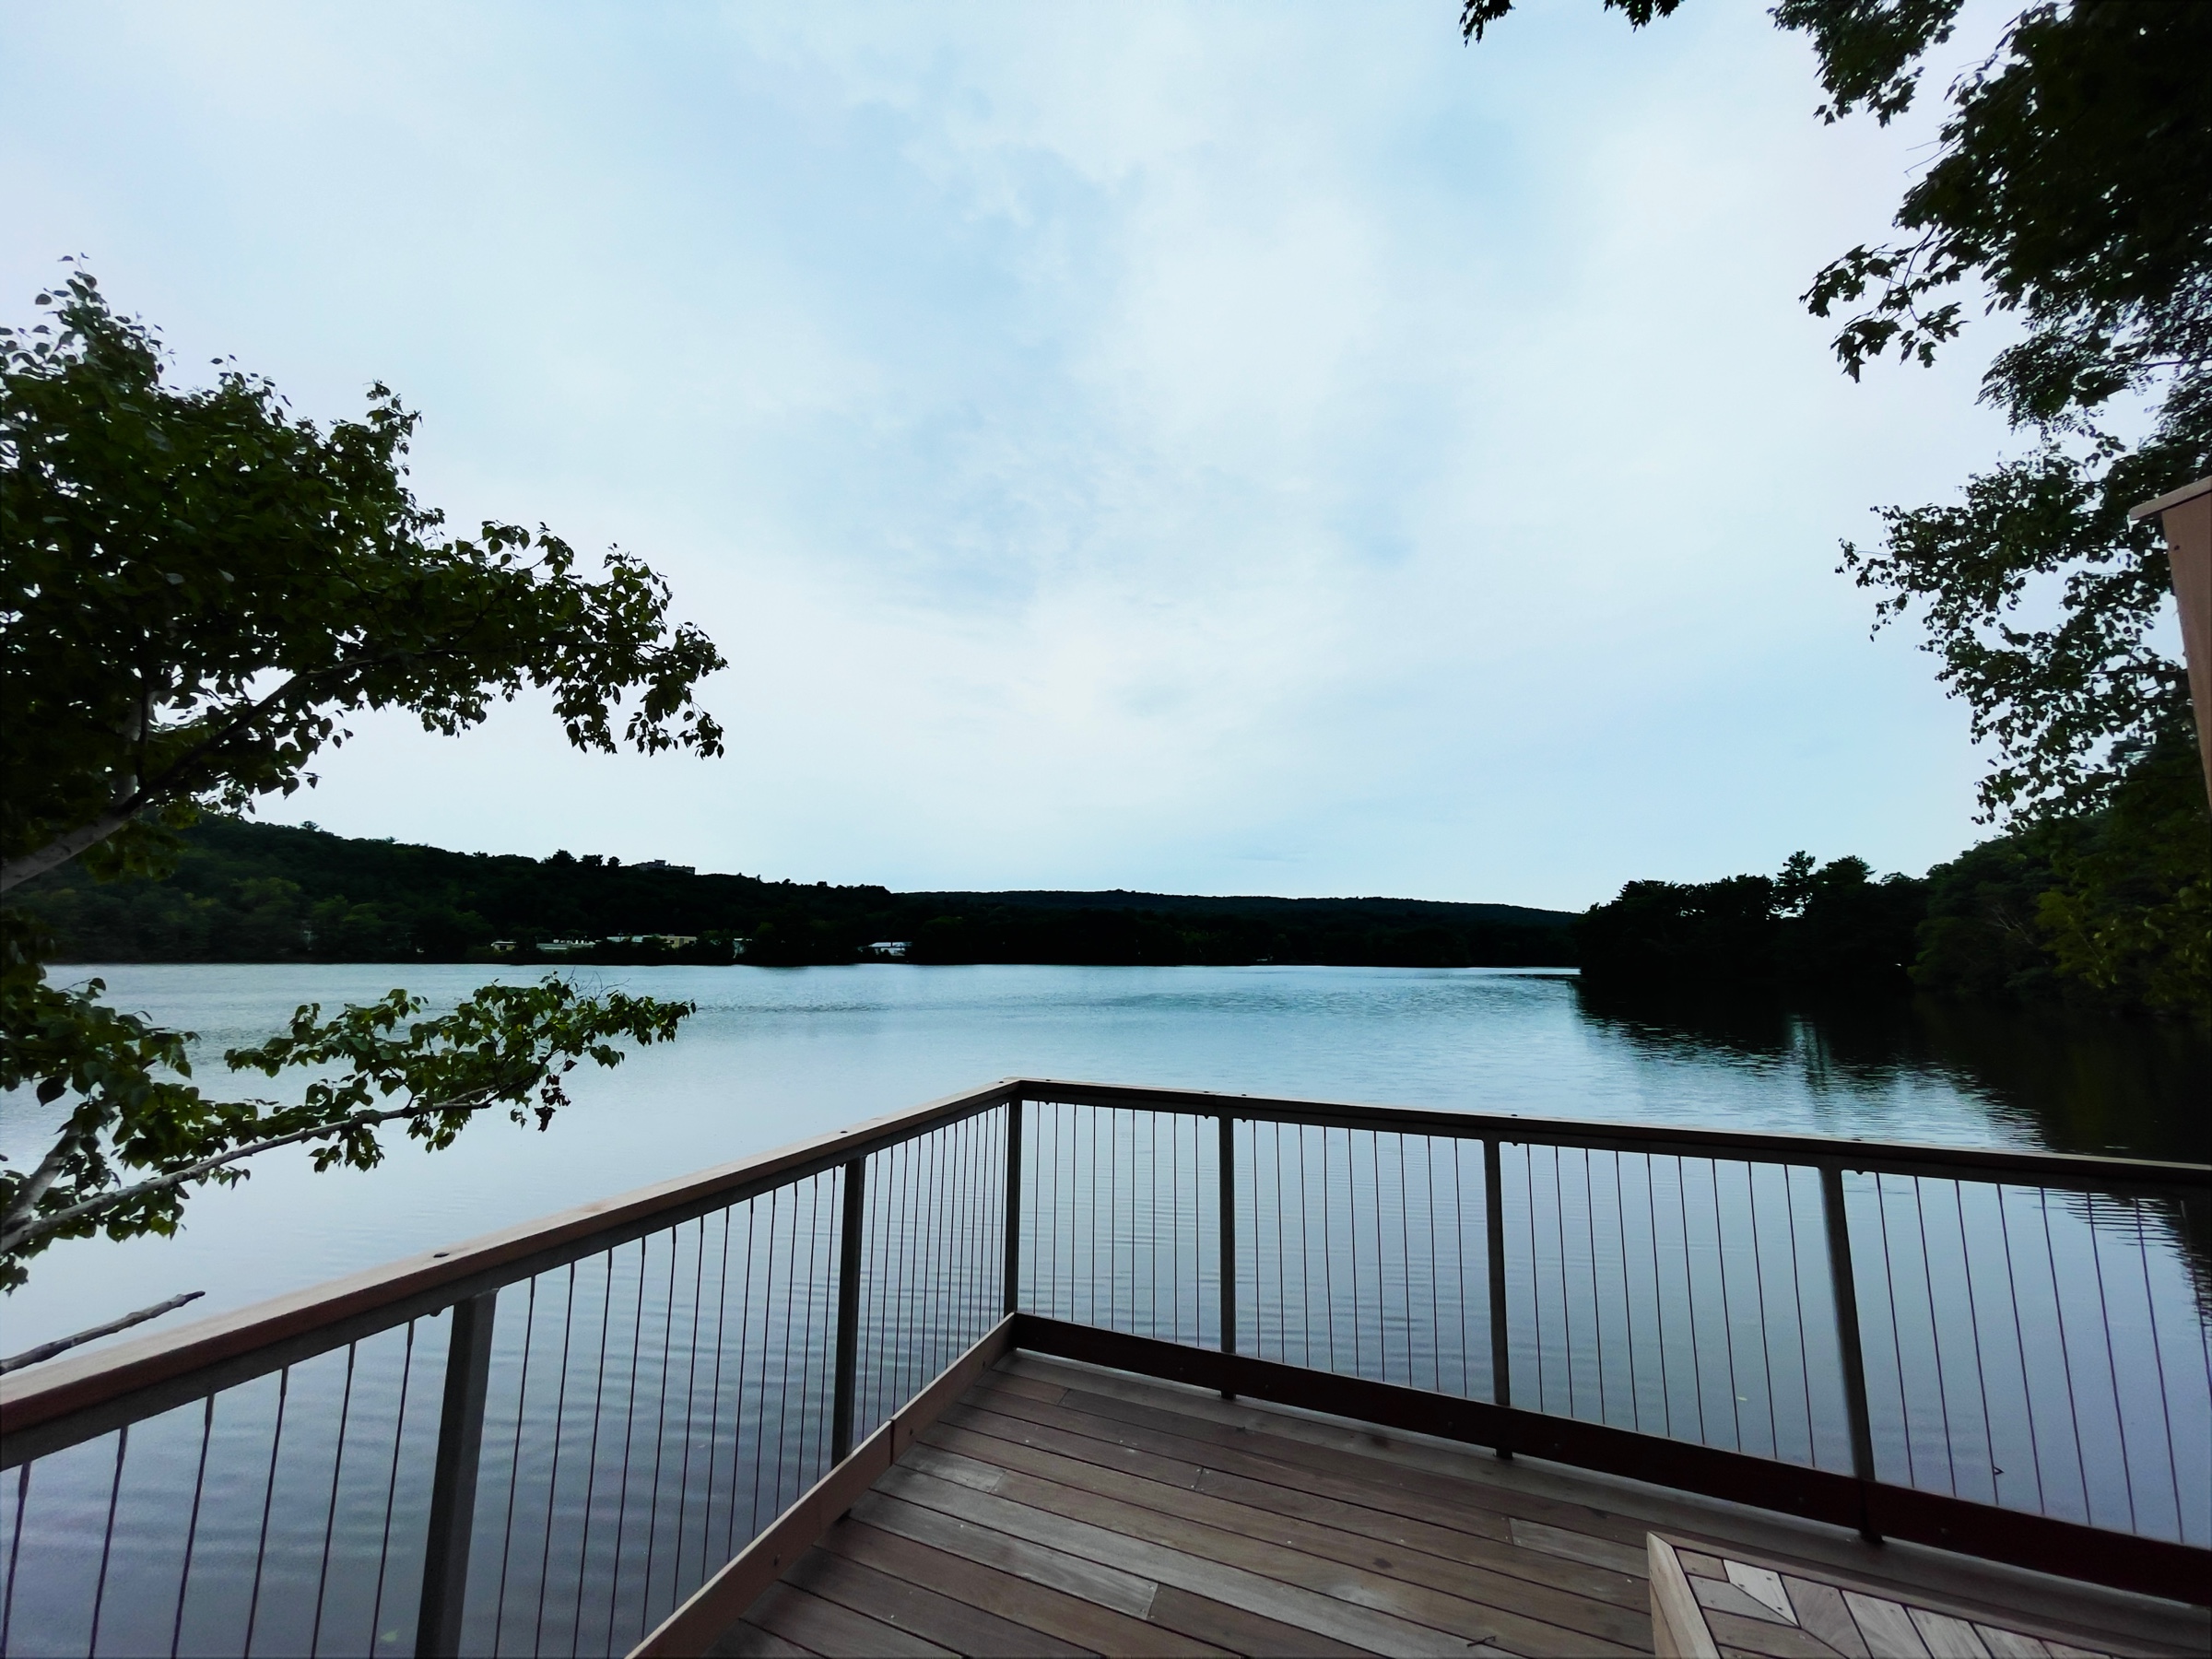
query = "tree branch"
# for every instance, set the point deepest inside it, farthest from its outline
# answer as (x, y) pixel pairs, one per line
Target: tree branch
(47, 1350)
(14, 1236)
(45, 1176)
(14, 872)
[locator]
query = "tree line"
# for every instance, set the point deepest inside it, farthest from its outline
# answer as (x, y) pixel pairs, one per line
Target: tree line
(2104, 910)
(247, 891)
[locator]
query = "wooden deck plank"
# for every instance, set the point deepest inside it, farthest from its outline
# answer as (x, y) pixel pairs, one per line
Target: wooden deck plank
(922, 1611)
(744, 1639)
(1569, 1545)
(1071, 1619)
(834, 1631)
(1093, 1580)
(1059, 1509)
(1347, 1507)
(1297, 1553)
(1292, 1604)
(1240, 1632)
(1251, 1456)
(1509, 1598)
(1602, 1505)
(1193, 1419)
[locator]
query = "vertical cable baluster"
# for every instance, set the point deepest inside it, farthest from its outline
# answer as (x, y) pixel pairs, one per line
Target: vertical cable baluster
(1927, 1280)
(683, 1476)
(191, 1534)
(2019, 1338)
(330, 1518)
(1459, 1263)
(2150, 1316)
(2065, 1354)
(560, 1407)
(591, 1479)
(745, 1349)
(1758, 1279)
(1974, 1320)
(1897, 1340)
(660, 1427)
(1536, 1272)
(1436, 1304)
(929, 1191)
(1597, 1317)
(1690, 1291)
(515, 1466)
(1227, 1202)
(951, 1226)
(107, 1537)
(630, 1422)
(1405, 1254)
(815, 1382)
(14, 1550)
(1175, 1218)
(775, 1501)
(959, 1296)
(1805, 1362)
(399, 1435)
(1720, 1262)
(910, 1223)
(799, 1283)
(1651, 1217)
(722, 1317)
(1628, 1310)
(2104, 1320)
(268, 1502)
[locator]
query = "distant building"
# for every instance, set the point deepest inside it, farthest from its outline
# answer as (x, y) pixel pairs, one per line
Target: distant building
(561, 947)
(890, 949)
(672, 941)
(502, 944)
(661, 864)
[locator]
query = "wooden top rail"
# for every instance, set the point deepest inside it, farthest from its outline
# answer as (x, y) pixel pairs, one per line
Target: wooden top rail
(2066, 1170)
(65, 1401)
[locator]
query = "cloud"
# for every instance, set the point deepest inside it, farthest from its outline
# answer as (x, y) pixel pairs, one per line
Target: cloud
(1116, 446)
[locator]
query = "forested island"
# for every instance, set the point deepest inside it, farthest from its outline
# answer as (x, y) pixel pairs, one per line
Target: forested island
(244, 892)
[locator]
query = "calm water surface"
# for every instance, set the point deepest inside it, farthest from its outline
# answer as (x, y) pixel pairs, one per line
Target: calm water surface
(776, 1055)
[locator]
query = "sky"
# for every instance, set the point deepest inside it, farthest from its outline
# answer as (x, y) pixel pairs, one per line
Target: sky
(1268, 448)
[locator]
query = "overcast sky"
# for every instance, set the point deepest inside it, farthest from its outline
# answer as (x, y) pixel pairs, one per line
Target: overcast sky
(1269, 448)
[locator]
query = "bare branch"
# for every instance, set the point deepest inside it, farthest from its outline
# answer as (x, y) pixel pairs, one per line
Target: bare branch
(47, 1350)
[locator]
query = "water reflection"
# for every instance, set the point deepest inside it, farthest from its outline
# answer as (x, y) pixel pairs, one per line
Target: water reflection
(2066, 1082)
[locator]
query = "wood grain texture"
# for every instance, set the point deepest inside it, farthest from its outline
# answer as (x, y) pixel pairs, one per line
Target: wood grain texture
(1056, 1509)
(1678, 1630)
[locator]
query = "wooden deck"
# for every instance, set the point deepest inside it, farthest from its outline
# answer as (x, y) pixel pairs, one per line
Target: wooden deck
(1059, 1509)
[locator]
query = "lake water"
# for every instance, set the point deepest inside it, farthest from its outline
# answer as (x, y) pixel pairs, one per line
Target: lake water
(1359, 1250)
(775, 1054)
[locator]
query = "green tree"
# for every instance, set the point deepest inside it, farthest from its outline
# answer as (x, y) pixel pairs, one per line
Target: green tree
(199, 588)
(2067, 192)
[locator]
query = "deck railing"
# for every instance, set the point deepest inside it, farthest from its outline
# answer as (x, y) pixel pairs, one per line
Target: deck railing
(544, 1439)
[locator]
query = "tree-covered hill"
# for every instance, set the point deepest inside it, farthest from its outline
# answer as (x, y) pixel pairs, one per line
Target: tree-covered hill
(247, 891)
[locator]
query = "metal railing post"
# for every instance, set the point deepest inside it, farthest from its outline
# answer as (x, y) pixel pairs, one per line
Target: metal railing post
(453, 1478)
(1229, 1241)
(1847, 1341)
(848, 1310)
(1012, 1271)
(1493, 1210)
